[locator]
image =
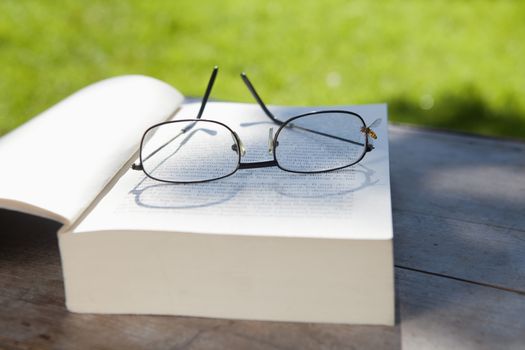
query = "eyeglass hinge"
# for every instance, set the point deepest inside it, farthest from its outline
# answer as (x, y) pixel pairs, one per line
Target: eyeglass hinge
(369, 147)
(137, 166)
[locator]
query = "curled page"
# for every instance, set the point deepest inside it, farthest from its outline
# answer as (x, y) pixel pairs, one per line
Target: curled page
(57, 163)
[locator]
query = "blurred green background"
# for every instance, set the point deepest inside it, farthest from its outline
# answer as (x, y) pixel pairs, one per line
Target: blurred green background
(448, 64)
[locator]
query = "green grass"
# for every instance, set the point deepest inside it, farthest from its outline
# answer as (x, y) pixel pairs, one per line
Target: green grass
(456, 64)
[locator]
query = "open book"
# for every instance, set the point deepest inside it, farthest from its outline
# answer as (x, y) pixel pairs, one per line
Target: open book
(261, 244)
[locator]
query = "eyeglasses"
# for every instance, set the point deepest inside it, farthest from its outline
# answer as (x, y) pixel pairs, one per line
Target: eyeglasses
(201, 150)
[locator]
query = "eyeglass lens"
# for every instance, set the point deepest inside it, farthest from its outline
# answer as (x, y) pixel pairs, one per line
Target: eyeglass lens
(189, 151)
(320, 142)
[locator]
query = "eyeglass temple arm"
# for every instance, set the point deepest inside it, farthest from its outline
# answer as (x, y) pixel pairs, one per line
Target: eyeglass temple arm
(205, 98)
(255, 95)
(277, 121)
(292, 125)
(208, 91)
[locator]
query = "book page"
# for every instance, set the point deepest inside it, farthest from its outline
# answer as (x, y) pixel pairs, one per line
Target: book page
(349, 203)
(57, 163)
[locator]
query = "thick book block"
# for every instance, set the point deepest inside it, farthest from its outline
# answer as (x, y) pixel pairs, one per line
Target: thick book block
(262, 244)
(241, 277)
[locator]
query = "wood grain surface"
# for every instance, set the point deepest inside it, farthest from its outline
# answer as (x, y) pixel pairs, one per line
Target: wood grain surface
(459, 224)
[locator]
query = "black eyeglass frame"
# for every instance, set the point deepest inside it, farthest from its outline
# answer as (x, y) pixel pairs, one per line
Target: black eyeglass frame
(367, 146)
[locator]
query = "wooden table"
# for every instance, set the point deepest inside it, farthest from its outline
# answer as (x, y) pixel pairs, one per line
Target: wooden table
(459, 223)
